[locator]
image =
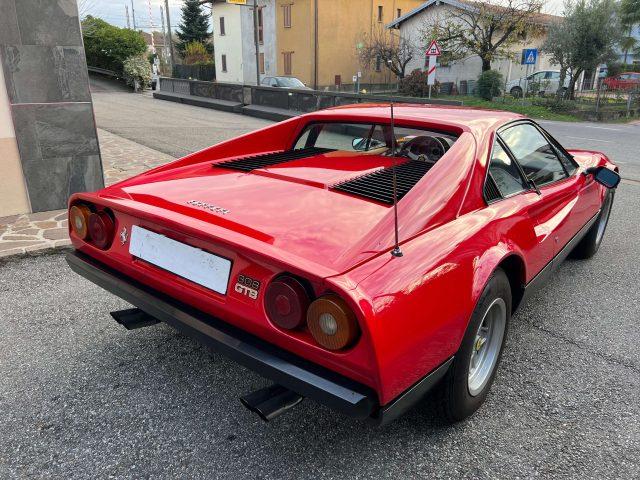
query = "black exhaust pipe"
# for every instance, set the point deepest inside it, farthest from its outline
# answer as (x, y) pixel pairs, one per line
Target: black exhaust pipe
(133, 318)
(271, 401)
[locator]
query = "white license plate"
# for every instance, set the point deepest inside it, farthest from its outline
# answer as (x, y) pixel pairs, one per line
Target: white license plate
(200, 267)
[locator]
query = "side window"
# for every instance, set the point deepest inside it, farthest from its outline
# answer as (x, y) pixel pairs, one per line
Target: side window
(505, 172)
(536, 157)
(567, 161)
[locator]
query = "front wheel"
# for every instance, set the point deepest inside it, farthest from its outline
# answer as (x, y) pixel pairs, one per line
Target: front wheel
(516, 92)
(590, 243)
(465, 387)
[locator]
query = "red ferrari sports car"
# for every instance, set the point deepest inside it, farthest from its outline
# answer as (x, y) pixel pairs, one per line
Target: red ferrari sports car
(350, 256)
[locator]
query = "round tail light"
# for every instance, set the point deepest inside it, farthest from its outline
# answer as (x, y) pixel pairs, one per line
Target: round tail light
(101, 229)
(79, 220)
(332, 323)
(286, 302)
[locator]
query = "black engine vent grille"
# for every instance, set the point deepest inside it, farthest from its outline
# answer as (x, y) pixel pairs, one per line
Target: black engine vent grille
(379, 185)
(263, 160)
(491, 192)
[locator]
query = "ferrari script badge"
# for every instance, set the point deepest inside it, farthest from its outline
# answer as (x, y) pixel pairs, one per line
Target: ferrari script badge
(208, 206)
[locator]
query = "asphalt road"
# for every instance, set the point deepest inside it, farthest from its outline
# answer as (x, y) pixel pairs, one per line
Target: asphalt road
(169, 127)
(80, 397)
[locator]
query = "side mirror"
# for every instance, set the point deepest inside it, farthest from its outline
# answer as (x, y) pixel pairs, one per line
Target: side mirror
(604, 176)
(359, 143)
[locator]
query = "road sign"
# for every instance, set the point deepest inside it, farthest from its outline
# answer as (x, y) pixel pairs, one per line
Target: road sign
(529, 56)
(237, 2)
(431, 72)
(434, 49)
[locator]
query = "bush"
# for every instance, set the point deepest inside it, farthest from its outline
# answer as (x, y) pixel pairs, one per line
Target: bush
(415, 85)
(107, 46)
(489, 84)
(195, 53)
(137, 71)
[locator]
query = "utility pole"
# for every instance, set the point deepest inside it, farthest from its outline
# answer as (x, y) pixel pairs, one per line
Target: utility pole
(255, 40)
(126, 11)
(133, 13)
(166, 9)
(164, 37)
(153, 42)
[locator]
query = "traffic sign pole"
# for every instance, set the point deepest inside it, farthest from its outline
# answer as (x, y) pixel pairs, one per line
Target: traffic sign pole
(433, 52)
(431, 72)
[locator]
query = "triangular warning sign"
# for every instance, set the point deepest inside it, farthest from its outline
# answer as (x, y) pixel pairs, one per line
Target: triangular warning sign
(434, 49)
(531, 58)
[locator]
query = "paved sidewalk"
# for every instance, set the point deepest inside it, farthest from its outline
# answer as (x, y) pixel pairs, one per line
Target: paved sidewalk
(121, 158)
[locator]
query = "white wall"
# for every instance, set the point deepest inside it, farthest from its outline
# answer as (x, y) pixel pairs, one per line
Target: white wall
(269, 45)
(229, 44)
(13, 192)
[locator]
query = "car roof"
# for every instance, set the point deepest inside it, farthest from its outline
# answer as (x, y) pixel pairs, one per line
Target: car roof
(460, 118)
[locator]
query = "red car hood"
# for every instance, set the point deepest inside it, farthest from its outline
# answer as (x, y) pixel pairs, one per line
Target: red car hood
(288, 206)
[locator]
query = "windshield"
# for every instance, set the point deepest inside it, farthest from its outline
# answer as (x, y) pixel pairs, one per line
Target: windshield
(369, 138)
(290, 82)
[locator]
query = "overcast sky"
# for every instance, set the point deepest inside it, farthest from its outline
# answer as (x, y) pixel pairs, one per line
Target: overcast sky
(113, 11)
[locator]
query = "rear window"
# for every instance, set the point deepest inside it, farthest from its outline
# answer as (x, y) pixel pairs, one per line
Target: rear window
(371, 138)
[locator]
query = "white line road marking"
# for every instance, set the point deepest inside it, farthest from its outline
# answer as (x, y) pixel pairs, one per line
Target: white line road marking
(589, 139)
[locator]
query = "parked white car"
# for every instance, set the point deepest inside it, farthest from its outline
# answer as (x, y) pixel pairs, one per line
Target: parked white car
(544, 82)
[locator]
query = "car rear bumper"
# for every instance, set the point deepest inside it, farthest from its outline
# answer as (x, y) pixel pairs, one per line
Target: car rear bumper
(297, 374)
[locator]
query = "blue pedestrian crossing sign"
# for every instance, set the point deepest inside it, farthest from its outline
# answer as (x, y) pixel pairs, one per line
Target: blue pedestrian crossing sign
(529, 56)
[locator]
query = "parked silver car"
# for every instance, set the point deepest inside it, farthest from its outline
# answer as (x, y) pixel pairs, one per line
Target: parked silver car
(284, 82)
(543, 82)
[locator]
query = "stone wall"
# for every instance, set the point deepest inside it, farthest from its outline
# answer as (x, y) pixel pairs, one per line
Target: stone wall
(47, 86)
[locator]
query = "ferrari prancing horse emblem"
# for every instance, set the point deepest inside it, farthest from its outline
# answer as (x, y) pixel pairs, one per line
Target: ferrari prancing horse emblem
(123, 235)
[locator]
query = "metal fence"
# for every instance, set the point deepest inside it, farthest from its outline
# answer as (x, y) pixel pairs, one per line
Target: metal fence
(195, 72)
(280, 98)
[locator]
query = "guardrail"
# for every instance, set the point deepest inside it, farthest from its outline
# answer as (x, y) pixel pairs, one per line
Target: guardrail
(287, 99)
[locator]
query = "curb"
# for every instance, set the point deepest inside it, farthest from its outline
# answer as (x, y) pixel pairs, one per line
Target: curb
(28, 252)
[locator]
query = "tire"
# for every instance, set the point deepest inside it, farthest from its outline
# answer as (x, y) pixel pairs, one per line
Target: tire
(591, 242)
(463, 391)
(516, 92)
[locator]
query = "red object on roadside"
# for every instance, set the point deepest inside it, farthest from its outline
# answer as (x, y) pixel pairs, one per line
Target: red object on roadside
(623, 81)
(274, 247)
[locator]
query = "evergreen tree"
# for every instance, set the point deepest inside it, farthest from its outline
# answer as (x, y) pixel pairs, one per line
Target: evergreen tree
(194, 26)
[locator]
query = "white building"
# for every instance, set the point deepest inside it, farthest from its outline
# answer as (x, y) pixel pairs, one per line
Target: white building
(412, 24)
(632, 57)
(233, 41)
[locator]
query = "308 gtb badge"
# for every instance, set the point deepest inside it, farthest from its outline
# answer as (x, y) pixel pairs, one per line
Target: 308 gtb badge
(247, 286)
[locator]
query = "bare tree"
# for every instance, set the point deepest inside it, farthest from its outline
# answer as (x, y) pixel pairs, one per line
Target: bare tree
(381, 48)
(484, 29)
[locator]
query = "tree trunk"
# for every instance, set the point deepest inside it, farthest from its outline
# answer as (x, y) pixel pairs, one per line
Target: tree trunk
(486, 64)
(572, 84)
(563, 75)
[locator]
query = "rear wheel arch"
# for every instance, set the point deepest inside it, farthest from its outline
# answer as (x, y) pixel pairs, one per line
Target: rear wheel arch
(514, 267)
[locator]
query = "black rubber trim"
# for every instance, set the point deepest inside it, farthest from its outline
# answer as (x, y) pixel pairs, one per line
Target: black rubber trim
(411, 396)
(301, 376)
